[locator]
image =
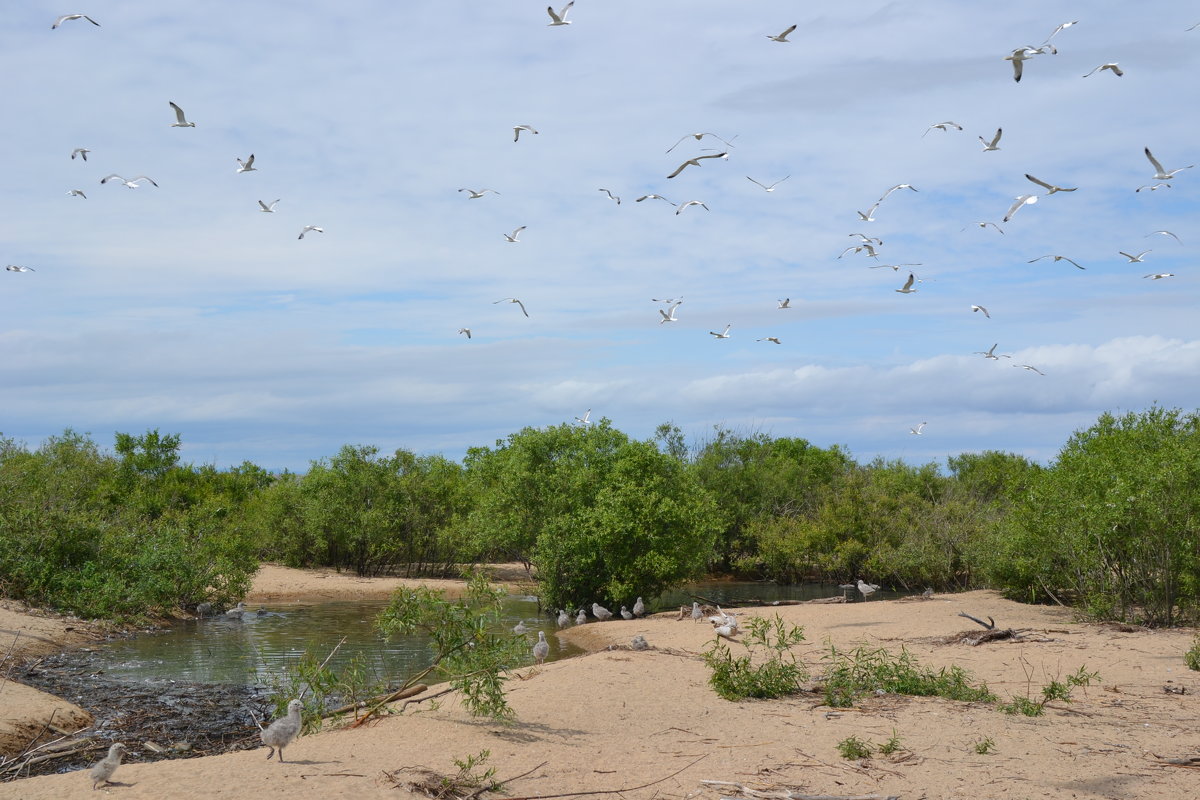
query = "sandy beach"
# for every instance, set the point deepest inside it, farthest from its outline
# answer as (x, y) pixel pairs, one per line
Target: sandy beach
(618, 719)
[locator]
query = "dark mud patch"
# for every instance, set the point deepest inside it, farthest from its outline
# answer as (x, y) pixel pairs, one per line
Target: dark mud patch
(156, 720)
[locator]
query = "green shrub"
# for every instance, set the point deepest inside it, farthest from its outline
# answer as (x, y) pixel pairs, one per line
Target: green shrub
(1191, 657)
(849, 676)
(853, 747)
(1052, 691)
(777, 673)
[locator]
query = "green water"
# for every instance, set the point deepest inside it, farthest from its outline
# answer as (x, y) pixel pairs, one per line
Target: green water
(254, 650)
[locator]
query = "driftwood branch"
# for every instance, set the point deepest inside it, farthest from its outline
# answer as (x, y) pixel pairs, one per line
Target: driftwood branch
(784, 795)
(990, 624)
(611, 791)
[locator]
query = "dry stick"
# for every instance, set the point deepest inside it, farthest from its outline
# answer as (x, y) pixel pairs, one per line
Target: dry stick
(610, 791)
(399, 694)
(1052, 597)
(404, 705)
(990, 627)
(798, 796)
(475, 794)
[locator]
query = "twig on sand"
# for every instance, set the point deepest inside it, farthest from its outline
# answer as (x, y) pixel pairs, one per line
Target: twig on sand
(990, 624)
(782, 795)
(610, 791)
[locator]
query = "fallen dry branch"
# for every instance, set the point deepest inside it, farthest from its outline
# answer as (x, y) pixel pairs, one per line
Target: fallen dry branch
(612, 791)
(976, 638)
(786, 795)
(990, 624)
(380, 702)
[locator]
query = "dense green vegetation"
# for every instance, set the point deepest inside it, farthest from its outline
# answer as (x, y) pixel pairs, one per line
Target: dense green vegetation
(1109, 527)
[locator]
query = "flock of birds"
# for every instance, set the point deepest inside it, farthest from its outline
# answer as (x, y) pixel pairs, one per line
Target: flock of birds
(867, 245)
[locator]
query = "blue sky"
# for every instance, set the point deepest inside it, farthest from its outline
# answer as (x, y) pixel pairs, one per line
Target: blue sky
(184, 308)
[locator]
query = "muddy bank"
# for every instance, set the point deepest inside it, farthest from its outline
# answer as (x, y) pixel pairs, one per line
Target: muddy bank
(156, 721)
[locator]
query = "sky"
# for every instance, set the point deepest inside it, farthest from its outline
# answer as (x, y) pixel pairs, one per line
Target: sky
(187, 309)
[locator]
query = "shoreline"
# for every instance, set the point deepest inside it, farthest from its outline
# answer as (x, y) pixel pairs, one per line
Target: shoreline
(616, 718)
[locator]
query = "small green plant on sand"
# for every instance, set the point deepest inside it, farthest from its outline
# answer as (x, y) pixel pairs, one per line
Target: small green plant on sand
(1191, 656)
(1054, 690)
(853, 747)
(768, 669)
(892, 745)
(985, 746)
(850, 675)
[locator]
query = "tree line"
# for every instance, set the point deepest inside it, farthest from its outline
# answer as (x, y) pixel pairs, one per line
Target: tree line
(1109, 527)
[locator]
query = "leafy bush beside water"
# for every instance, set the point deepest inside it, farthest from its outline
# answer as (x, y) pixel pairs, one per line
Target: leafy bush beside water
(101, 535)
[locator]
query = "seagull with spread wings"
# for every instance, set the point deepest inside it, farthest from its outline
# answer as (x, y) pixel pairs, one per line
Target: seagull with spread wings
(512, 237)
(267, 209)
(132, 183)
(698, 137)
(695, 162)
(512, 300)
(908, 285)
(994, 144)
(247, 165)
(1023, 200)
(180, 120)
(561, 17)
(1111, 66)
(1160, 173)
(770, 188)
(1051, 189)
(69, 17)
(518, 128)
(1056, 258)
(783, 36)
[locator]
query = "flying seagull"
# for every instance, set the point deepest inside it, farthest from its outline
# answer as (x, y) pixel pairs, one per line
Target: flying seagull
(695, 162)
(585, 419)
(1111, 66)
(1056, 258)
(1022, 54)
(984, 310)
(994, 144)
(1159, 275)
(467, 331)
(858, 248)
(513, 300)
(1061, 28)
(667, 300)
(698, 137)
(783, 36)
(1162, 174)
(870, 215)
(269, 209)
(785, 302)
(895, 267)
(69, 17)
(1153, 187)
(478, 193)
(985, 224)
(1025, 199)
(991, 353)
(518, 128)
(917, 431)
(774, 339)
(679, 210)
(1164, 233)
(770, 188)
(81, 152)
(868, 239)
(1050, 189)
(653, 197)
(907, 288)
(1135, 259)
(180, 121)
(513, 236)
(611, 196)
(308, 228)
(561, 17)
(1030, 367)
(132, 183)
(899, 186)
(723, 334)
(942, 126)
(669, 315)
(247, 165)
(77, 193)
(18, 268)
